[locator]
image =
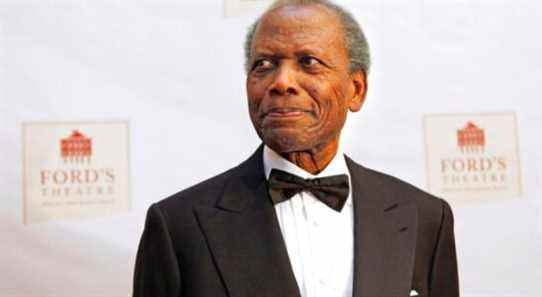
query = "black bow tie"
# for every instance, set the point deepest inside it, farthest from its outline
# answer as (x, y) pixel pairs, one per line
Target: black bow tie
(331, 190)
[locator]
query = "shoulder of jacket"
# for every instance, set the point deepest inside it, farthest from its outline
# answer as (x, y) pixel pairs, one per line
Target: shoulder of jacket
(427, 203)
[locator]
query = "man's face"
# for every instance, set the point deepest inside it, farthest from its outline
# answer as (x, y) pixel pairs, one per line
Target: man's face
(299, 86)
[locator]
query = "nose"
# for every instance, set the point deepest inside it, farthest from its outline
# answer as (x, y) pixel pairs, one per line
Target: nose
(284, 82)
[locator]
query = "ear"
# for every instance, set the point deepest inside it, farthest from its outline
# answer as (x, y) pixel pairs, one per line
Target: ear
(359, 81)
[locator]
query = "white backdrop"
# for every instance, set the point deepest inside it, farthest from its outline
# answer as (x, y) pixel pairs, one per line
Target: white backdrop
(173, 68)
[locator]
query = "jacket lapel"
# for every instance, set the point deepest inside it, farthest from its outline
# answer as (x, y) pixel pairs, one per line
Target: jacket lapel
(248, 248)
(244, 236)
(385, 225)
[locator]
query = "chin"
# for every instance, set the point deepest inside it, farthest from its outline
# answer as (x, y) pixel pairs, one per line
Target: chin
(287, 142)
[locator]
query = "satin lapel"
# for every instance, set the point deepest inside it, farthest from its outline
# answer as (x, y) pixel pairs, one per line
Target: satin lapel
(385, 225)
(245, 239)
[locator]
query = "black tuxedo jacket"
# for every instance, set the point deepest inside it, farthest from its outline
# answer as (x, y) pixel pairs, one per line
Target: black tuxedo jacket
(221, 238)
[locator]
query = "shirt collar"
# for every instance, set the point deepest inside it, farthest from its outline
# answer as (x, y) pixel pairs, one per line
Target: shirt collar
(271, 160)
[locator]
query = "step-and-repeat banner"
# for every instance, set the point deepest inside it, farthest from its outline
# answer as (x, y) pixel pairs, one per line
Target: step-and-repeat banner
(109, 106)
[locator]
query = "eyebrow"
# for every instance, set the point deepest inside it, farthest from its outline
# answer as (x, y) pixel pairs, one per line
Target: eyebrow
(267, 54)
(264, 53)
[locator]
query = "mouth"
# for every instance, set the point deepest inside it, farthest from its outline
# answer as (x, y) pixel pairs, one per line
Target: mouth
(283, 113)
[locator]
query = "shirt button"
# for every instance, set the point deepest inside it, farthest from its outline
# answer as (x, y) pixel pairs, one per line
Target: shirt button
(315, 223)
(321, 282)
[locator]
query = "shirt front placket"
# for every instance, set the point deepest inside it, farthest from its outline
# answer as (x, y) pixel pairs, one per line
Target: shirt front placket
(311, 223)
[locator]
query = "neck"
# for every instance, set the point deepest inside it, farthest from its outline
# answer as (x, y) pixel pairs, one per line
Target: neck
(314, 160)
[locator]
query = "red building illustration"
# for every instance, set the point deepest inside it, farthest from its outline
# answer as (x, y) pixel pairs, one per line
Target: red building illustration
(471, 139)
(76, 148)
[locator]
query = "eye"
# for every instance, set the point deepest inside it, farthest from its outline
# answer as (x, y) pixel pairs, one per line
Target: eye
(308, 61)
(262, 65)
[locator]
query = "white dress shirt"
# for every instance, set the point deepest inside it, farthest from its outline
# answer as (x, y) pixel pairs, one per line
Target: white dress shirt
(319, 239)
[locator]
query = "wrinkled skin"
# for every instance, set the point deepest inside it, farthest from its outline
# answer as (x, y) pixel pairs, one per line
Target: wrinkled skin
(299, 86)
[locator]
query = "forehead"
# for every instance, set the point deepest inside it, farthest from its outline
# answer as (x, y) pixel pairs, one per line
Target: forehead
(294, 26)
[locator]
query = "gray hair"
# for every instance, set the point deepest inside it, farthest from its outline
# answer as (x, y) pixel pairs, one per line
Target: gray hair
(354, 38)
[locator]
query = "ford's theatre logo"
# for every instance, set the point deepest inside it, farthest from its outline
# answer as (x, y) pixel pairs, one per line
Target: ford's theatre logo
(80, 178)
(472, 157)
(473, 168)
(74, 170)
(76, 148)
(471, 139)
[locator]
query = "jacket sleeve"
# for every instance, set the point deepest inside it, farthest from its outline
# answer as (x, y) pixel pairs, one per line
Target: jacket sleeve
(444, 279)
(156, 272)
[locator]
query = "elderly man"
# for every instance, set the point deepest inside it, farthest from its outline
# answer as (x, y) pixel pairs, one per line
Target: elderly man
(299, 218)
